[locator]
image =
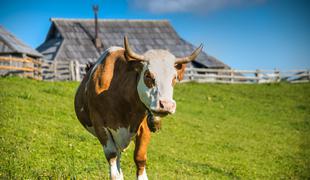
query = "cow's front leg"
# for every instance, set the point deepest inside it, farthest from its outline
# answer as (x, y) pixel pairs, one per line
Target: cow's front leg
(110, 149)
(115, 170)
(113, 156)
(142, 141)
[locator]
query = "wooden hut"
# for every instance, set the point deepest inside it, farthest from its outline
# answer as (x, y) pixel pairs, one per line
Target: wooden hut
(74, 42)
(17, 58)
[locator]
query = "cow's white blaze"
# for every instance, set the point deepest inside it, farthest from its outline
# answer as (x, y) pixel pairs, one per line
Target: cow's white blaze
(161, 64)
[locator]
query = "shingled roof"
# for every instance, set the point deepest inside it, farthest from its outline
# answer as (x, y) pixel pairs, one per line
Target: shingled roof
(72, 39)
(10, 44)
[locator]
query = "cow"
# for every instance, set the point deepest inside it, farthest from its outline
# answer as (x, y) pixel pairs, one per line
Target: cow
(123, 97)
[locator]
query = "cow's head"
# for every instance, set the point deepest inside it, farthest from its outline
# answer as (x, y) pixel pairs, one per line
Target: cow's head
(161, 70)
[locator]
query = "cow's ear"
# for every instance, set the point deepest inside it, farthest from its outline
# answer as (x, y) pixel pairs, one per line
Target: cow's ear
(180, 70)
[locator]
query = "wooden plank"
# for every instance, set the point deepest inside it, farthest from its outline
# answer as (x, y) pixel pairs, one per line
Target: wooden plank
(63, 73)
(17, 68)
(71, 70)
(14, 59)
(77, 71)
(225, 76)
(300, 81)
(47, 71)
(217, 81)
(23, 60)
(35, 61)
(63, 66)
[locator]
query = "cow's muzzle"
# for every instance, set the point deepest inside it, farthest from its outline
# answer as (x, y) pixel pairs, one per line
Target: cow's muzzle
(164, 107)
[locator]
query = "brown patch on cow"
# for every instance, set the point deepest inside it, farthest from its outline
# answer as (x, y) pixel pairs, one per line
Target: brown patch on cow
(149, 79)
(142, 140)
(104, 73)
(180, 71)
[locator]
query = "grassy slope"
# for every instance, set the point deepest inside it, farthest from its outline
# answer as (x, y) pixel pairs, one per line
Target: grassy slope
(218, 132)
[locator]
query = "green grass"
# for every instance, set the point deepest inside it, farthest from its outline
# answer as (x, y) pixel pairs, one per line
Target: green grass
(218, 132)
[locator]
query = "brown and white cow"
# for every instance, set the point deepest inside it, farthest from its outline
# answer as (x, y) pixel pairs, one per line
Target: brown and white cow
(123, 95)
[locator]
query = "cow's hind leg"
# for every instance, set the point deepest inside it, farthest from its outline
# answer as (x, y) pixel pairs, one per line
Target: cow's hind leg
(142, 141)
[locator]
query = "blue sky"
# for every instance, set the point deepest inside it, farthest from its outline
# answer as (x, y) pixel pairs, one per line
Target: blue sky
(245, 34)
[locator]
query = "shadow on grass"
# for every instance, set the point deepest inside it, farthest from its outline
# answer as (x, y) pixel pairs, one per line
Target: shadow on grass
(206, 168)
(202, 168)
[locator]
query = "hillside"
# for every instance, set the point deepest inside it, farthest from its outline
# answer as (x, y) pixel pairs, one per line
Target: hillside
(218, 132)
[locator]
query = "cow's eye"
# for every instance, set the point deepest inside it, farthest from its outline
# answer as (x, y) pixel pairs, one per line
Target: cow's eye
(178, 66)
(149, 79)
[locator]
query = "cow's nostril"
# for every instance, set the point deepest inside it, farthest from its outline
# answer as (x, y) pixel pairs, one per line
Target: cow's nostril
(161, 105)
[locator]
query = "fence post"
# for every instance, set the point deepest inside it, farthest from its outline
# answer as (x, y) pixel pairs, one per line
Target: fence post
(10, 56)
(10, 61)
(72, 70)
(40, 69)
(232, 75)
(190, 77)
(77, 71)
(277, 75)
(257, 75)
(55, 70)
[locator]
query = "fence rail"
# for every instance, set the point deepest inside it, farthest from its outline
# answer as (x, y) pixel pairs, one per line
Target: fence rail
(245, 76)
(75, 71)
(26, 67)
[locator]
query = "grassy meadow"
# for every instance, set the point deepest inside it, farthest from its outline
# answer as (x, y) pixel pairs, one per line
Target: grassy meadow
(218, 132)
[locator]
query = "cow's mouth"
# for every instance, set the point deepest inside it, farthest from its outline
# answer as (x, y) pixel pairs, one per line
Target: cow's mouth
(160, 113)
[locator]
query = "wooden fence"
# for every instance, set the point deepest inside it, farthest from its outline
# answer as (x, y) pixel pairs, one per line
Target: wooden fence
(25, 67)
(245, 76)
(75, 71)
(63, 71)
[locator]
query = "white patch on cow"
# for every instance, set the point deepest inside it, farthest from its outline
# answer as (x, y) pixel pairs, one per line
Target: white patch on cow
(99, 61)
(143, 176)
(161, 64)
(82, 109)
(149, 96)
(122, 138)
(114, 172)
(91, 129)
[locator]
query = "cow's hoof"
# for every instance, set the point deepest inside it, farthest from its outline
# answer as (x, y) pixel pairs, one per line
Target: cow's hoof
(143, 176)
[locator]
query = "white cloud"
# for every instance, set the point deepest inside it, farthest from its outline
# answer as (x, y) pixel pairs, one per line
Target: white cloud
(190, 6)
